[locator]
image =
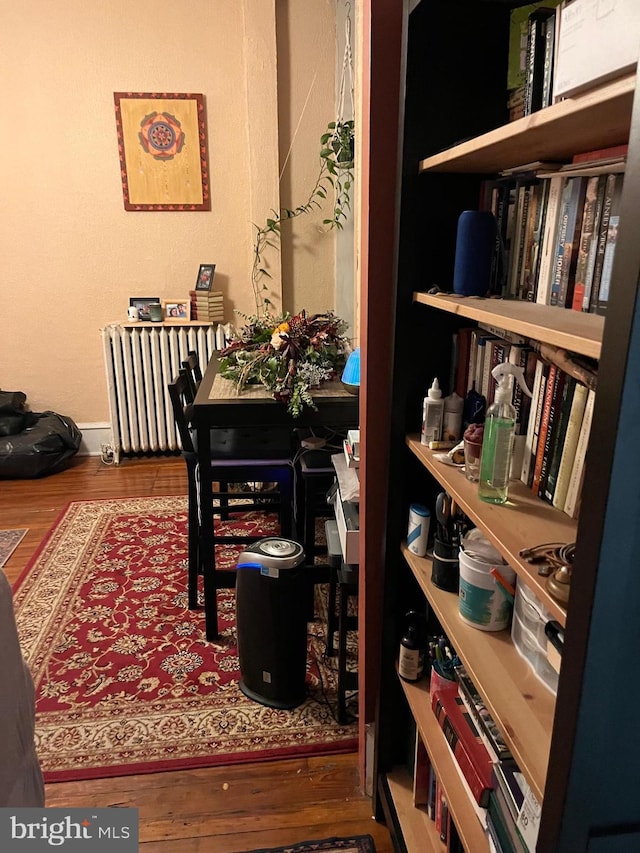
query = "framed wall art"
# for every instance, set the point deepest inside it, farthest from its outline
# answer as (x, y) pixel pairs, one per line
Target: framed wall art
(205, 277)
(162, 144)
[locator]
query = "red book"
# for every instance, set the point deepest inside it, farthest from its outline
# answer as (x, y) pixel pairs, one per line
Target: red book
(612, 153)
(466, 744)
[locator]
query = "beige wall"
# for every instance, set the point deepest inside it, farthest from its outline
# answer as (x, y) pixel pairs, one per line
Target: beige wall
(70, 255)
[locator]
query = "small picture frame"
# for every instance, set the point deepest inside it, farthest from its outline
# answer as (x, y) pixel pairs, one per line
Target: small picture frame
(176, 310)
(142, 304)
(205, 277)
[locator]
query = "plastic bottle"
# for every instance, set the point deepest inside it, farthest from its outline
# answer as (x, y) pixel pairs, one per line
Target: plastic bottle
(452, 417)
(499, 429)
(432, 411)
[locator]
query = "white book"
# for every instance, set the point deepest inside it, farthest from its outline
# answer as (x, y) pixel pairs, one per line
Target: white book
(527, 453)
(547, 249)
(570, 444)
(572, 501)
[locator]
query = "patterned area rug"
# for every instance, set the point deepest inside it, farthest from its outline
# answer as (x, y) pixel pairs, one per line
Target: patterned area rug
(357, 844)
(9, 541)
(125, 681)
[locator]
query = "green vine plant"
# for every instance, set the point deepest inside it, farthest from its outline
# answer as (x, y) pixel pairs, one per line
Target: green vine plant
(335, 179)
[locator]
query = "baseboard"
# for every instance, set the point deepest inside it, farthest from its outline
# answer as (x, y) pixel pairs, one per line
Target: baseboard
(94, 438)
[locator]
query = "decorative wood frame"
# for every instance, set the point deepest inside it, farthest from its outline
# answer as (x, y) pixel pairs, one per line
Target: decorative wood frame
(183, 305)
(162, 144)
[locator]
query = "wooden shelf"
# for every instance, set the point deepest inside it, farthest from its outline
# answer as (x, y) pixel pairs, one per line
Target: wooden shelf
(461, 808)
(521, 705)
(570, 330)
(524, 521)
(418, 830)
(597, 119)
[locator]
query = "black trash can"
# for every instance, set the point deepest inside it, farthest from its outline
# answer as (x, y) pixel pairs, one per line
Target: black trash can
(271, 622)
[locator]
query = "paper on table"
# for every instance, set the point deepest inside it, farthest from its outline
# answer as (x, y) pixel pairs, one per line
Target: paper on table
(348, 480)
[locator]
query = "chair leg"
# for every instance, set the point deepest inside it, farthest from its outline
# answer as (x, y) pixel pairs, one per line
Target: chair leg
(193, 536)
(332, 621)
(211, 627)
(224, 501)
(285, 487)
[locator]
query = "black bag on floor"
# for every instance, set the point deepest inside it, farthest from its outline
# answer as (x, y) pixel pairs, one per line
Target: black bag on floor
(42, 448)
(14, 416)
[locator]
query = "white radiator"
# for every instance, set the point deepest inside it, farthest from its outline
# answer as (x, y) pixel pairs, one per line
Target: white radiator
(140, 361)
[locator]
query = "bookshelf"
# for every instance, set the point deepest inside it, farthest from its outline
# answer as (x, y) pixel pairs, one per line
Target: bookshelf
(549, 737)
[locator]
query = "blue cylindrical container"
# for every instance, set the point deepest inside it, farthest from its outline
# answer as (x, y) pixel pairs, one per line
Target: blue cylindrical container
(475, 244)
(418, 532)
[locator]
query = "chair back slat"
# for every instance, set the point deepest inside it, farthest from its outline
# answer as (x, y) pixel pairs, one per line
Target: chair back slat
(181, 396)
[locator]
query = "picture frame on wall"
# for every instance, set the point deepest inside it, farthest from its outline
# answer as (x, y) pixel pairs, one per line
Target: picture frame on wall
(176, 310)
(162, 145)
(142, 304)
(204, 280)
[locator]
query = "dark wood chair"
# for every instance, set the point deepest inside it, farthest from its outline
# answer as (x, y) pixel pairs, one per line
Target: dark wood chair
(237, 456)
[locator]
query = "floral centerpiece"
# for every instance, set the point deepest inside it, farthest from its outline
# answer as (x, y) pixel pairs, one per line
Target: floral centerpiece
(288, 354)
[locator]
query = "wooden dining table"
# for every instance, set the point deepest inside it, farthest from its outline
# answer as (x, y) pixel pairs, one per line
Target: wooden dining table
(218, 403)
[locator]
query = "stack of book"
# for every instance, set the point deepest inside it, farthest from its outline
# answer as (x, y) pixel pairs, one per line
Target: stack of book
(552, 427)
(207, 306)
(505, 802)
(557, 227)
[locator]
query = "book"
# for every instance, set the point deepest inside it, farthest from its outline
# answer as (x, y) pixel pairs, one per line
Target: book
(523, 195)
(543, 425)
(529, 444)
(505, 828)
(566, 251)
(572, 501)
(558, 438)
(505, 334)
(535, 59)
(602, 156)
(549, 50)
(537, 214)
(547, 253)
(610, 247)
(551, 428)
(466, 744)
(489, 732)
(594, 194)
(506, 777)
(570, 444)
(603, 231)
(593, 247)
(462, 366)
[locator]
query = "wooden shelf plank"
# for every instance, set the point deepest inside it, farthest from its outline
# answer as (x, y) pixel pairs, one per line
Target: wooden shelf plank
(460, 806)
(596, 119)
(560, 327)
(418, 830)
(521, 705)
(524, 521)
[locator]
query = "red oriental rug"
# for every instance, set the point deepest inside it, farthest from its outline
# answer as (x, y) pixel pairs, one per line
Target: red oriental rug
(125, 681)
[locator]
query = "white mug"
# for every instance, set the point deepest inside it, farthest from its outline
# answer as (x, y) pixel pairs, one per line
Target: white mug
(133, 313)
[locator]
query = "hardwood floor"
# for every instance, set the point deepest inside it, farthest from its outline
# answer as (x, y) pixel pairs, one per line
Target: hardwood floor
(217, 810)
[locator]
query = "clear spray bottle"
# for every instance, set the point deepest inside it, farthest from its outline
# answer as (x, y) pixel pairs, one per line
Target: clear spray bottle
(499, 430)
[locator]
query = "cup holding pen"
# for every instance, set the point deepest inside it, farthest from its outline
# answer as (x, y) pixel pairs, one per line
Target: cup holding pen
(445, 566)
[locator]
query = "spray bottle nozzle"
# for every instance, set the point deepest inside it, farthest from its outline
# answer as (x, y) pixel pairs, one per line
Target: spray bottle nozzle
(504, 374)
